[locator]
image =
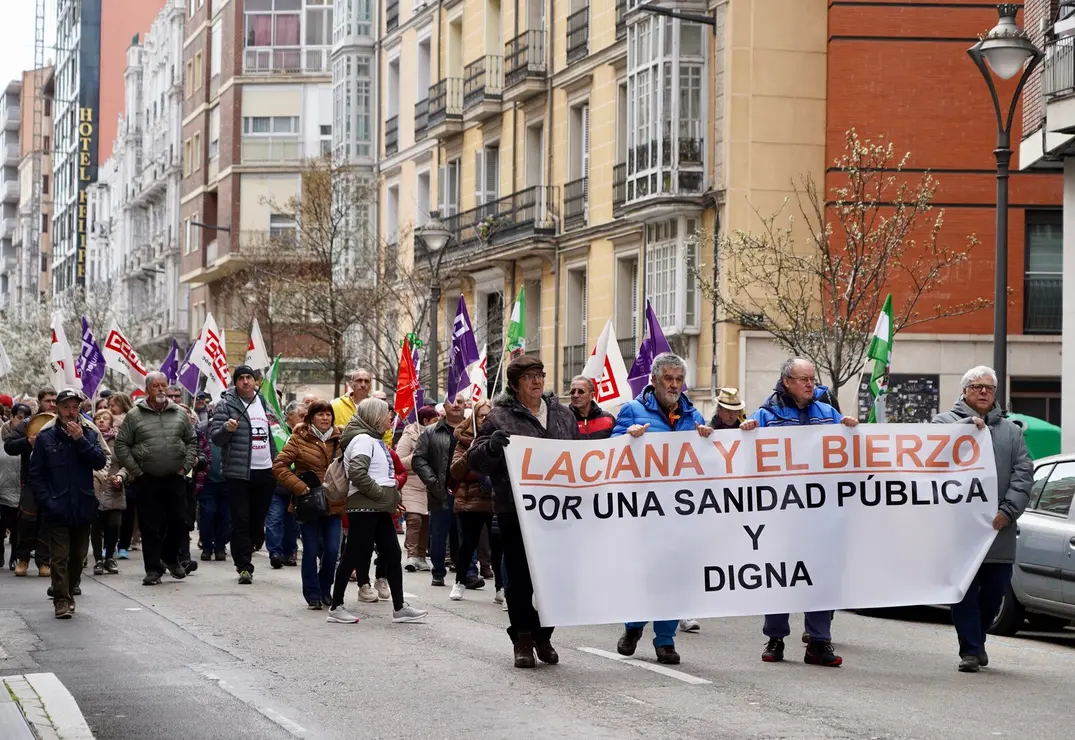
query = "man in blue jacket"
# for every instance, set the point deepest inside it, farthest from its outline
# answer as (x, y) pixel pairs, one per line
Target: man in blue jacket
(66, 452)
(794, 402)
(661, 407)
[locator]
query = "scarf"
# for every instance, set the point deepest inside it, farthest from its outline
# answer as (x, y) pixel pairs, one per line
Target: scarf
(323, 436)
(110, 435)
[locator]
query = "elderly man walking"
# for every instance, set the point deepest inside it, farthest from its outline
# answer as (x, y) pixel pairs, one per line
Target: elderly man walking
(662, 406)
(157, 446)
(1015, 476)
(794, 403)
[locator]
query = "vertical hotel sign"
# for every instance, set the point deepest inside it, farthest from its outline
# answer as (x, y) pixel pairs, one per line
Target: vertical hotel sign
(89, 104)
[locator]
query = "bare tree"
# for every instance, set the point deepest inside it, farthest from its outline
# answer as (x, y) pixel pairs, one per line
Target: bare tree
(27, 342)
(820, 296)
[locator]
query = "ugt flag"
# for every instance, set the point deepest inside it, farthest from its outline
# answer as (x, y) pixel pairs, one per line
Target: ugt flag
(464, 352)
(653, 345)
(188, 371)
(91, 362)
(170, 366)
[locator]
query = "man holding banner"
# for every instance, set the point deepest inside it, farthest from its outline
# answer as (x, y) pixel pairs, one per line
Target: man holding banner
(793, 403)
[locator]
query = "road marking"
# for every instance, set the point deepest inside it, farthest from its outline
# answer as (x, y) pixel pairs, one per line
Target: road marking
(246, 694)
(409, 596)
(133, 609)
(654, 667)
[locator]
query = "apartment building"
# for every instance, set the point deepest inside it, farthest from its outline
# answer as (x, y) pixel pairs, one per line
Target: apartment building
(11, 121)
(32, 280)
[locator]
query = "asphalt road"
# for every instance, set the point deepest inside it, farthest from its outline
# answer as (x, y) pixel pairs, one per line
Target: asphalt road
(206, 658)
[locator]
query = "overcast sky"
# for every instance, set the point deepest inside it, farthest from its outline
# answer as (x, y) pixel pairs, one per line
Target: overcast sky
(17, 37)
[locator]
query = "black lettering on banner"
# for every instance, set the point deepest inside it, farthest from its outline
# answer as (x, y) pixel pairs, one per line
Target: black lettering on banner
(844, 489)
(709, 501)
(751, 576)
(813, 502)
(606, 514)
(768, 503)
(976, 490)
(754, 535)
(652, 504)
(895, 493)
(915, 500)
(529, 502)
(791, 496)
(571, 505)
(944, 491)
(685, 502)
(863, 485)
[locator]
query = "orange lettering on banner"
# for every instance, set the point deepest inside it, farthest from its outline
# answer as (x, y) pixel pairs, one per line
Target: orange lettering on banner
(727, 454)
(626, 463)
(942, 441)
(877, 445)
(833, 452)
(787, 456)
(975, 452)
(907, 447)
(562, 467)
(763, 454)
(657, 460)
(586, 477)
(526, 474)
(687, 460)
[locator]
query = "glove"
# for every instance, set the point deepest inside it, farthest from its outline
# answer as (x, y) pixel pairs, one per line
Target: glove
(497, 442)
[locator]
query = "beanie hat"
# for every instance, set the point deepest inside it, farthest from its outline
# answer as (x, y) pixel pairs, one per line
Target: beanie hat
(6, 400)
(241, 371)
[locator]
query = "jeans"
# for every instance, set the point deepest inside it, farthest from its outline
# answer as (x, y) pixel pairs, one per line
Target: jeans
(214, 516)
(249, 505)
(33, 533)
(473, 523)
(105, 533)
(367, 529)
(818, 625)
(68, 546)
(281, 529)
(444, 533)
(162, 510)
(320, 540)
(980, 605)
(664, 631)
(519, 592)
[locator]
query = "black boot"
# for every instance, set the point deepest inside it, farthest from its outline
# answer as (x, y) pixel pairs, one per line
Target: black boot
(546, 652)
(969, 664)
(667, 654)
(629, 640)
(524, 651)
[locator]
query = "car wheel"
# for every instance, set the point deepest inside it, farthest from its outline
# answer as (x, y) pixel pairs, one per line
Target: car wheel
(1009, 619)
(1046, 623)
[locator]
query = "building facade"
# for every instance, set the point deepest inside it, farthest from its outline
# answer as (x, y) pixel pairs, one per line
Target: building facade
(11, 120)
(32, 282)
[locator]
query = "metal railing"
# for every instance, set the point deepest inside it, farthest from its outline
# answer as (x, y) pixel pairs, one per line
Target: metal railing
(578, 35)
(575, 202)
(1058, 77)
(445, 100)
(628, 348)
(574, 362)
(421, 119)
(1043, 295)
(290, 60)
(534, 210)
(271, 150)
(483, 79)
(524, 56)
(619, 187)
(621, 19)
(391, 15)
(391, 135)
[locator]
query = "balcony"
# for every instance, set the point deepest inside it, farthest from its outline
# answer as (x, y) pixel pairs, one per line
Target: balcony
(619, 188)
(445, 108)
(527, 213)
(12, 117)
(270, 151)
(524, 66)
(578, 35)
(1043, 294)
(621, 19)
(665, 167)
(391, 136)
(7, 228)
(628, 348)
(575, 356)
(285, 61)
(421, 119)
(12, 155)
(575, 203)
(1058, 88)
(9, 191)
(391, 15)
(483, 86)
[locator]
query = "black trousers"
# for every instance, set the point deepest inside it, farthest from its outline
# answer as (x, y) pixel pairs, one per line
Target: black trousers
(474, 524)
(162, 510)
(33, 532)
(520, 589)
(126, 526)
(68, 546)
(366, 530)
(105, 533)
(250, 501)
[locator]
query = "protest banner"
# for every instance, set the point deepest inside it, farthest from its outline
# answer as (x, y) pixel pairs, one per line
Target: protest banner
(742, 523)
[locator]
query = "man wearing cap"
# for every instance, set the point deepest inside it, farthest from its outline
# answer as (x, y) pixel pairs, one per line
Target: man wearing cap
(359, 385)
(730, 407)
(66, 452)
(240, 427)
(202, 409)
(33, 532)
(593, 421)
(158, 446)
(524, 409)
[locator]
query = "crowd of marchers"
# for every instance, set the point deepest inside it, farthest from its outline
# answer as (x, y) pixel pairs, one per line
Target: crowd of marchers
(126, 475)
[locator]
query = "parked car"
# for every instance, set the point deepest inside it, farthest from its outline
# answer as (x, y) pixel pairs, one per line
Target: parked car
(1042, 592)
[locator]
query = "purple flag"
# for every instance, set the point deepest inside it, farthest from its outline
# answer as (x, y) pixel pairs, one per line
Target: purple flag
(170, 366)
(464, 351)
(188, 371)
(91, 361)
(653, 345)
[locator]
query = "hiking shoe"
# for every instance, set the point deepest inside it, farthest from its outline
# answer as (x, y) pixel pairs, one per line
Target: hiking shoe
(969, 664)
(689, 625)
(63, 610)
(383, 591)
(44, 571)
(499, 598)
(983, 658)
(667, 654)
(122, 555)
(221, 556)
(326, 603)
(458, 589)
(339, 615)
(437, 581)
(524, 651)
(314, 606)
(367, 594)
(177, 572)
(408, 614)
(774, 650)
(99, 568)
(151, 579)
(629, 640)
(21, 567)
(111, 566)
(76, 591)
(292, 561)
(245, 578)
(476, 582)
(189, 566)
(207, 555)
(276, 563)
(411, 566)
(820, 652)
(546, 653)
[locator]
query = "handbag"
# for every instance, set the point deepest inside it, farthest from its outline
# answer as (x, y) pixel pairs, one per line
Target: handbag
(335, 482)
(312, 506)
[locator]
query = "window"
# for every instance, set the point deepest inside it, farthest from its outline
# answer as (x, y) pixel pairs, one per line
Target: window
(1043, 280)
(326, 140)
(44, 224)
(391, 215)
(448, 189)
(1056, 494)
(48, 107)
(46, 144)
(487, 174)
(421, 216)
(188, 83)
(187, 158)
(44, 184)
(215, 52)
(275, 26)
(214, 133)
(282, 228)
(275, 125)
(575, 331)
(318, 24)
(1041, 474)
(626, 302)
(672, 254)
(197, 72)
(196, 149)
(1038, 397)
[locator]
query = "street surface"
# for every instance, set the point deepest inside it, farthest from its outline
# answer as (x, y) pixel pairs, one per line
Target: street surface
(206, 659)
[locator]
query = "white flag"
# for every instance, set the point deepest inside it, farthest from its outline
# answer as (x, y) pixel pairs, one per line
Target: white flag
(212, 359)
(62, 370)
(120, 355)
(605, 367)
(256, 355)
(479, 377)
(5, 363)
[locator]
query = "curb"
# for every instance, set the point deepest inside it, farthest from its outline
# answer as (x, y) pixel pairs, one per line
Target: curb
(51, 713)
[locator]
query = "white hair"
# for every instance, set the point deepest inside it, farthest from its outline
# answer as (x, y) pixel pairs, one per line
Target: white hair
(663, 360)
(981, 371)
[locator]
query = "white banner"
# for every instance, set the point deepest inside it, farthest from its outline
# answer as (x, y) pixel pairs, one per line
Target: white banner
(257, 356)
(605, 367)
(777, 520)
(120, 355)
(211, 358)
(62, 370)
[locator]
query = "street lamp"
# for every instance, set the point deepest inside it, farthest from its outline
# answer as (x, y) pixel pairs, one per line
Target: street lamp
(436, 238)
(1007, 50)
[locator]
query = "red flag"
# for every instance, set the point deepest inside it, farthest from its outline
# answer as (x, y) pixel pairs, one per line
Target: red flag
(406, 382)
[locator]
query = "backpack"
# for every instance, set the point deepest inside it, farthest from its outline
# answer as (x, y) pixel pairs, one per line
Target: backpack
(335, 483)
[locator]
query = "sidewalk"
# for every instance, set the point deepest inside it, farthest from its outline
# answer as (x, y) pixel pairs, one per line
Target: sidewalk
(37, 706)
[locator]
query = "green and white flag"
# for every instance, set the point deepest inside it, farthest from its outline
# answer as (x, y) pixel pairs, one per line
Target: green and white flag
(271, 402)
(517, 327)
(881, 353)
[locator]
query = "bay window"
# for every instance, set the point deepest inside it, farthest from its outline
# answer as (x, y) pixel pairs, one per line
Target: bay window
(672, 258)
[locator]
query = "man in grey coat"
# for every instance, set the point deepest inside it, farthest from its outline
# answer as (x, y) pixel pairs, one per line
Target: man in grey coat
(1015, 476)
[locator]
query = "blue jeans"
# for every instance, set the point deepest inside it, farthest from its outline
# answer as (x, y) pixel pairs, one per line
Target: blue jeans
(281, 529)
(214, 516)
(818, 625)
(664, 632)
(441, 522)
(980, 605)
(320, 539)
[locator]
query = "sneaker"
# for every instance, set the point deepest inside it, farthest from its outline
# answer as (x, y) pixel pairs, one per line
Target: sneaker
(820, 652)
(499, 598)
(367, 594)
(339, 615)
(689, 625)
(44, 571)
(314, 606)
(207, 555)
(408, 614)
(276, 563)
(437, 581)
(111, 567)
(476, 582)
(411, 566)
(424, 564)
(151, 579)
(221, 556)
(21, 567)
(774, 650)
(505, 607)
(667, 654)
(189, 566)
(63, 610)
(458, 589)
(969, 664)
(99, 568)
(177, 572)
(122, 555)
(245, 578)
(629, 640)
(383, 591)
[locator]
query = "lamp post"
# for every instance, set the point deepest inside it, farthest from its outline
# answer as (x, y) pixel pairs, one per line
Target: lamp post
(1007, 50)
(435, 237)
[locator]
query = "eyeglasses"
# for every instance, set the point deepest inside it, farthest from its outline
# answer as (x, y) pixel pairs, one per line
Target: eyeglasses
(531, 377)
(803, 379)
(979, 387)
(578, 392)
